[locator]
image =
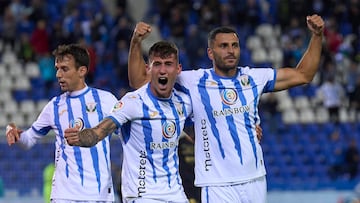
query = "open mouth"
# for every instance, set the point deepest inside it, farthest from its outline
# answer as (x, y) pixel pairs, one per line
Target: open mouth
(163, 81)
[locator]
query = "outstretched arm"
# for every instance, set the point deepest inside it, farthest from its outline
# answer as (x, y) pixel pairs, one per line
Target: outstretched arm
(12, 133)
(309, 63)
(137, 73)
(90, 136)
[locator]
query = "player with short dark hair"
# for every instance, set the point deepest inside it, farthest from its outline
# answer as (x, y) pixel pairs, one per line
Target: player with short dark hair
(151, 120)
(81, 174)
(229, 164)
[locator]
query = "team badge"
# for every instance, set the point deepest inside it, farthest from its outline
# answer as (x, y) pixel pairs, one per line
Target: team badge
(229, 96)
(169, 129)
(77, 123)
(179, 110)
(244, 80)
(90, 107)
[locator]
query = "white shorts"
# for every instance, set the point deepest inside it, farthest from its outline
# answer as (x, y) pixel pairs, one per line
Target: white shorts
(75, 201)
(254, 191)
(143, 200)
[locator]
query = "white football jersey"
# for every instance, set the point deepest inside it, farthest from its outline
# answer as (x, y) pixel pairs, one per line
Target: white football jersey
(150, 129)
(80, 173)
(227, 150)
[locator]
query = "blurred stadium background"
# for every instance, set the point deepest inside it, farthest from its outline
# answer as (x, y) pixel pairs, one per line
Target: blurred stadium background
(301, 142)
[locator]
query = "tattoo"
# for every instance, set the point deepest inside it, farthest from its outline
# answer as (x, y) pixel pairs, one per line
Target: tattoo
(105, 127)
(91, 136)
(88, 138)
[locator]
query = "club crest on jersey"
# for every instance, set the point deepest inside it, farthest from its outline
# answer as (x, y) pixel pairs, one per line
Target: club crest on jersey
(244, 80)
(229, 96)
(169, 129)
(179, 110)
(90, 107)
(78, 123)
(118, 106)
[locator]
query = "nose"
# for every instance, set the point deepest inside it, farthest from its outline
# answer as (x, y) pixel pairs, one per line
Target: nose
(162, 68)
(58, 73)
(231, 49)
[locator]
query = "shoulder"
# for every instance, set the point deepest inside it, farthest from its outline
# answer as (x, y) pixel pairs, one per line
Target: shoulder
(103, 94)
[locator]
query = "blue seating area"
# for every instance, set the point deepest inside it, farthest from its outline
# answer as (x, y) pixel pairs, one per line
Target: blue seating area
(298, 158)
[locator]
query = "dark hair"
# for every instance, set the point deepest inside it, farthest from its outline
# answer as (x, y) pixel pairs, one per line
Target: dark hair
(212, 34)
(163, 49)
(80, 54)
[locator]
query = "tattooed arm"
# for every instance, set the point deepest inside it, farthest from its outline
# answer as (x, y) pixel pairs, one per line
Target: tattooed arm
(90, 136)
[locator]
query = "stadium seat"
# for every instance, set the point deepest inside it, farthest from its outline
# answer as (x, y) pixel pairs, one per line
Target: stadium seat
(322, 115)
(290, 116)
(32, 70)
(9, 57)
(3, 70)
(302, 102)
(306, 115)
(21, 82)
(27, 106)
(16, 69)
(253, 42)
(6, 83)
(265, 30)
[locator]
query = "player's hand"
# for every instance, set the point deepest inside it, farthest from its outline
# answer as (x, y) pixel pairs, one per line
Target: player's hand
(141, 31)
(12, 133)
(258, 132)
(315, 24)
(72, 137)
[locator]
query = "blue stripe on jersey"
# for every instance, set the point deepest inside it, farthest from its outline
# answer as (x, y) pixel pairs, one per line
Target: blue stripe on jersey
(178, 132)
(205, 98)
(93, 150)
(165, 151)
(60, 130)
(256, 100)
(231, 123)
(101, 117)
(270, 85)
(147, 129)
(42, 131)
(77, 152)
(246, 114)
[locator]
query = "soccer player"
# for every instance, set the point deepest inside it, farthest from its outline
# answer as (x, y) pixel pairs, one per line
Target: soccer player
(151, 120)
(229, 163)
(81, 174)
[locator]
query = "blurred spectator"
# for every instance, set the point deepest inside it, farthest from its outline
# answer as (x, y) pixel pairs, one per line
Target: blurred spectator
(24, 51)
(186, 168)
(116, 176)
(355, 99)
(332, 35)
(47, 71)
(352, 158)
(8, 28)
(40, 38)
(47, 181)
(331, 94)
(1, 188)
(269, 112)
(352, 75)
(336, 156)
